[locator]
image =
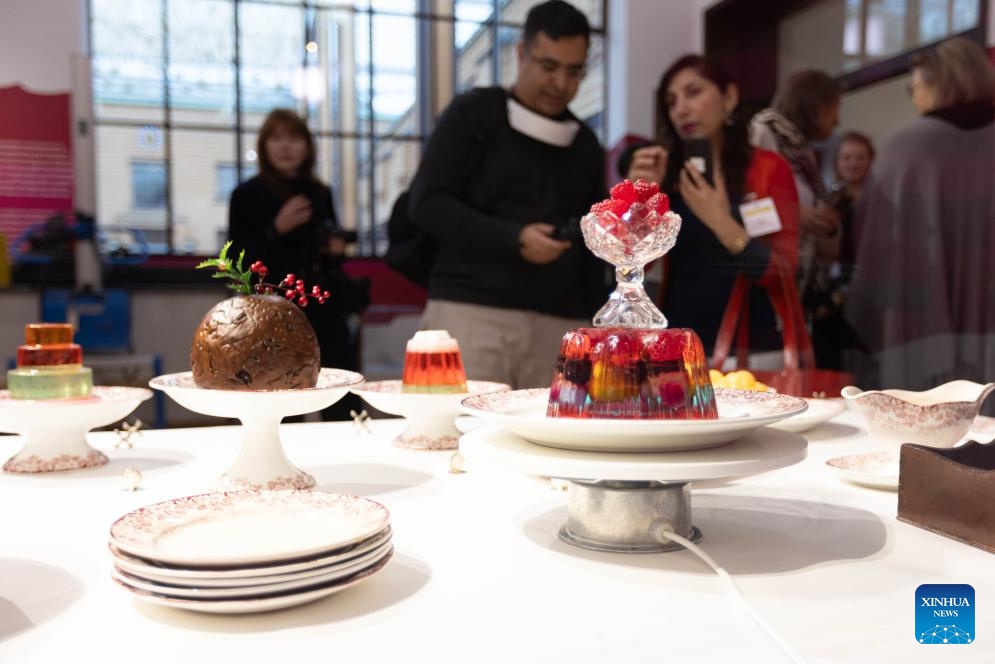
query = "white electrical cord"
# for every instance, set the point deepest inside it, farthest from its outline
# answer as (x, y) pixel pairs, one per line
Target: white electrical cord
(663, 532)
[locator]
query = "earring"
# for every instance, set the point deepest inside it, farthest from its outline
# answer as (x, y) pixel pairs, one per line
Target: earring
(729, 119)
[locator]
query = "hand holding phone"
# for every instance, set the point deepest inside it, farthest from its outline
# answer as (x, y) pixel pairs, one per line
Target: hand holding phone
(569, 230)
(698, 151)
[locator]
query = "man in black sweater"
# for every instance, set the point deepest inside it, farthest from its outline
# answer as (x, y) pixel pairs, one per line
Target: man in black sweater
(503, 181)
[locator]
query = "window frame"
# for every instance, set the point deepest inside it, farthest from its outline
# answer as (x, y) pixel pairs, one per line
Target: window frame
(427, 68)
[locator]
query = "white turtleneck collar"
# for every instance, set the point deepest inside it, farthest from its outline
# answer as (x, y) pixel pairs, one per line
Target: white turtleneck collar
(560, 133)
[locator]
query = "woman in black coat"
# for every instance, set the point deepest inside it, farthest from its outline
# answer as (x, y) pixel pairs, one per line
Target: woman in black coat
(285, 217)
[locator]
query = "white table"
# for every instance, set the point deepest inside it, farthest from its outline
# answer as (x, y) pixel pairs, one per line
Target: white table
(479, 574)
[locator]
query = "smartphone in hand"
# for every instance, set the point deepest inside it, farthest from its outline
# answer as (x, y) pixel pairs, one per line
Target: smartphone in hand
(699, 152)
(568, 230)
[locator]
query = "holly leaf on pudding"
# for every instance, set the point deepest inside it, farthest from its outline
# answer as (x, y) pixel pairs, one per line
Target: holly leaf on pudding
(238, 277)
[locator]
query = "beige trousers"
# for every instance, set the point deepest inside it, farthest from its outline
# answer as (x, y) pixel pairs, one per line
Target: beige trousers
(504, 345)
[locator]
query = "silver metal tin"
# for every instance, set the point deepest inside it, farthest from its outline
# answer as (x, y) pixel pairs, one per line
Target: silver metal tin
(616, 516)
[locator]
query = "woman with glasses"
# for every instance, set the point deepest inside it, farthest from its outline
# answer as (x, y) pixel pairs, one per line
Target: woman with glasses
(922, 296)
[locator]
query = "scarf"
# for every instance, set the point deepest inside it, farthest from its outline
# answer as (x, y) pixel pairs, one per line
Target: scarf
(792, 146)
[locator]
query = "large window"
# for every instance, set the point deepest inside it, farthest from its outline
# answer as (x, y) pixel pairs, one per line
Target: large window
(865, 41)
(878, 29)
(181, 87)
(148, 185)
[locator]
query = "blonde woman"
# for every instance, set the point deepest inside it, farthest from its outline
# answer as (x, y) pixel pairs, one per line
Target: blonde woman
(923, 294)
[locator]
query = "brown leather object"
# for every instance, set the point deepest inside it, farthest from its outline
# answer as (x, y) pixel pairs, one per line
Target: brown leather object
(949, 491)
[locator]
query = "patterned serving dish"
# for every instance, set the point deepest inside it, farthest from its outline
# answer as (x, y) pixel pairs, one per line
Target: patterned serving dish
(938, 417)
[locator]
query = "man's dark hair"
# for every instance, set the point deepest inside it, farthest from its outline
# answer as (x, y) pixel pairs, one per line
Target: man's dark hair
(555, 19)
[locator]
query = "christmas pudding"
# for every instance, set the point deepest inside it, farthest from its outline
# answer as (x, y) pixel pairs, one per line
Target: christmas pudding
(259, 341)
(629, 365)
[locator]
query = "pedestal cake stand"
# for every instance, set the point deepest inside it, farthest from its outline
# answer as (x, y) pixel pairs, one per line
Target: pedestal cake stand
(618, 499)
(261, 462)
(54, 430)
(430, 417)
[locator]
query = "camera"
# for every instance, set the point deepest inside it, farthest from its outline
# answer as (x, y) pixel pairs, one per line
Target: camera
(568, 230)
(348, 236)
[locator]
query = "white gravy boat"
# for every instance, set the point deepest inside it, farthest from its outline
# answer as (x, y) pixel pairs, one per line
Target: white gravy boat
(938, 417)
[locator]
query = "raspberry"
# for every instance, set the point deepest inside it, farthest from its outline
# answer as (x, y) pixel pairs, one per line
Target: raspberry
(623, 347)
(646, 189)
(666, 347)
(602, 206)
(625, 191)
(619, 207)
(672, 394)
(659, 202)
(656, 350)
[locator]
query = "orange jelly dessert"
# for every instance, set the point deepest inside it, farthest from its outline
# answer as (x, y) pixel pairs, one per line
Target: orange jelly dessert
(49, 365)
(432, 364)
(632, 373)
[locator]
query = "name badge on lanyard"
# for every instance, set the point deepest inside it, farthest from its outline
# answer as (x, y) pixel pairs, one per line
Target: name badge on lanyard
(760, 217)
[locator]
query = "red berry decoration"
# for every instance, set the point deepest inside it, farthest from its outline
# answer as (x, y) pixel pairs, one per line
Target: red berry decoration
(659, 202)
(602, 206)
(645, 189)
(625, 191)
(619, 207)
(240, 279)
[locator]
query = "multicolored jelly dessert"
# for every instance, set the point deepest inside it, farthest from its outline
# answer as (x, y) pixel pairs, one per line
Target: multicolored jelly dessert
(49, 365)
(48, 333)
(53, 382)
(432, 364)
(49, 355)
(632, 373)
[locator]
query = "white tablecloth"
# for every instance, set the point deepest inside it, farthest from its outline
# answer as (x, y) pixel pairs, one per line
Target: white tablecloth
(479, 574)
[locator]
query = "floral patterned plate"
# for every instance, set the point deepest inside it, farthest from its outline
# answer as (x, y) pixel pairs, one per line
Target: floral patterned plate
(524, 413)
(235, 592)
(878, 470)
(246, 527)
(262, 603)
(818, 412)
(252, 575)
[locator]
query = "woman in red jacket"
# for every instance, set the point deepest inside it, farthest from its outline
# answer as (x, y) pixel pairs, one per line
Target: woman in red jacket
(743, 221)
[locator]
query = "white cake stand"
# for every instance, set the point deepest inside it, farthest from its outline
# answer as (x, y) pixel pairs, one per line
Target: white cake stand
(54, 430)
(261, 462)
(430, 417)
(616, 497)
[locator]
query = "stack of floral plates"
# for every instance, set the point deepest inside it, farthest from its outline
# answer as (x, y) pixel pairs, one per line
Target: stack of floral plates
(249, 551)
